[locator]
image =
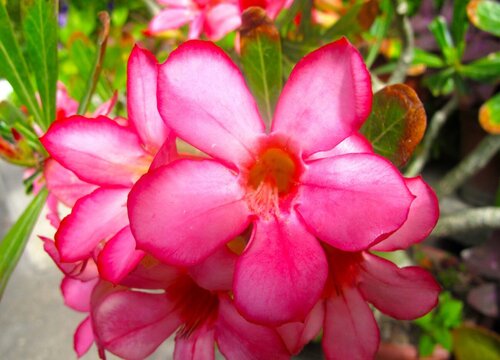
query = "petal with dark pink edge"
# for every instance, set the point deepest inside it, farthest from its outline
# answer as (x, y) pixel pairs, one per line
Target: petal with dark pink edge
(84, 337)
(95, 217)
(166, 154)
(354, 144)
(281, 274)
(221, 19)
(169, 19)
(98, 151)
(105, 108)
(423, 216)
(183, 212)
(203, 97)
(142, 74)
(150, 273)
(239, 339)
(133, 324)
(119, 256)
(199, 345)
(215, 273)
(326, 98)
(403, 293)
(351, 201)
(297, 334)
(350, 330)
(64, 184)
(77, 293)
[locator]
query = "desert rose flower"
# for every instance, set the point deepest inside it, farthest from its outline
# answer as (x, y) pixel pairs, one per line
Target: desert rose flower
(108, 156)
(304, 180)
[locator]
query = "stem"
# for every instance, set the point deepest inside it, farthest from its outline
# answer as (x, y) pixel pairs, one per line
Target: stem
(466, 220)
(407, 42)
(472, 163)
(152, 6)
(436, 123)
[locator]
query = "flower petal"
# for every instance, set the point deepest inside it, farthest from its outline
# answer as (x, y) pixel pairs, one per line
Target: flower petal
(281, 274)
(200, 345)
(405, 294)
(221, 19)
(351, 201)
(215, 273)
(354, 144)
(119, 256)
(242, 340)
(98, 151)
(423, 216)
(199, 82)
(94, 218)
(142, 74)
(350, 330)
(84, 337)
(132, 324)
(152, 274)
(326, 98)
(183, 212)
(77, 293)
(169, 19)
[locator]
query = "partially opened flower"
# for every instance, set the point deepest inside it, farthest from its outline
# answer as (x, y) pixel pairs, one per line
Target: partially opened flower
(312, 176)
(104, 158)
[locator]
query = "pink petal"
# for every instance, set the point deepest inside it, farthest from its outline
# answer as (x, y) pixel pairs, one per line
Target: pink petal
(166, 154)
(199, 82)
(242, 340)
(119, 256)
(215, 273)
(141, 99)
(65, 105)
(106, 107)
(152, 274)
(200, 345)
(77, 293)
(98, 151)
(405, 294)
(297, 334)
(84, 337)
(350, 330)
(183, 212)
(281, 274)
(196, 26)
(64, 184)
(351, 201)
(326, 98)
(423, 216)
(132, 324)
(170, 19)
(95, 217)
(221, 19)
(53, 211)
(354, 144)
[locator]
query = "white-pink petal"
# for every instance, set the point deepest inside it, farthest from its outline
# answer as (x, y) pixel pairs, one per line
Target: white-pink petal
(84, 337)
(221, 19)
(170, 19)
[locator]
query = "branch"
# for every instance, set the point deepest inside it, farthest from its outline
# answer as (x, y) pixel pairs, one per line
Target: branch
(435, 125)
(407, 42)
(467, 220)
(470, 165)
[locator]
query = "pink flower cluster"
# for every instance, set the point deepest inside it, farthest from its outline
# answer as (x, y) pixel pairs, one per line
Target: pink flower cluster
(256, 246)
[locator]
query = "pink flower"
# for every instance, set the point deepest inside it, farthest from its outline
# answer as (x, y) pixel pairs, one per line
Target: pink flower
(214, 18)
(311, 177)
(101, 159)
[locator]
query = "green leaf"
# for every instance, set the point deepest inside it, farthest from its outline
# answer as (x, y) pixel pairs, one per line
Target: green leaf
(426, 345)
(397, 123)
(14, 68)
(40, 30)
(439, 29)
(474, 342)
(485, 69)
(12, 245)
(489, 115)
(440, 83)
(261, 59)
(459, 25)
(426, 58)
(485, 14)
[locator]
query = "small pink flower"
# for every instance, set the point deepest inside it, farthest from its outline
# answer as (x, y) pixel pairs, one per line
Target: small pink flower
(94, 164)
(311, 177)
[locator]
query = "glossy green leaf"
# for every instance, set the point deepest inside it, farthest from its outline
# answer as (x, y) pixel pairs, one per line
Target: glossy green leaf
(439, 29)
(13, 66)
(474, 342)
(489, 115)
(40, 30)
(459, 25)
(12, 245)
(261, 59)
(426, 58)
(397, 123)
(485, 69)
(485, 14)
